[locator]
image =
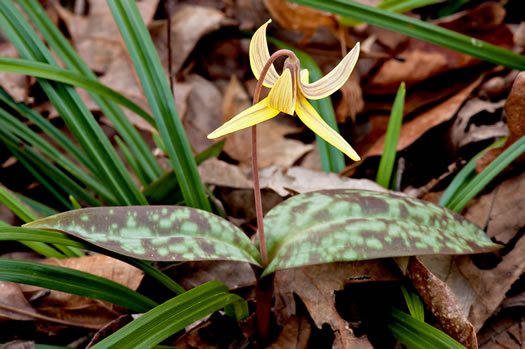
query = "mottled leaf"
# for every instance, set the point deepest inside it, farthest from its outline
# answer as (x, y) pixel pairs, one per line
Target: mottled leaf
(346, 225)
(160, 233)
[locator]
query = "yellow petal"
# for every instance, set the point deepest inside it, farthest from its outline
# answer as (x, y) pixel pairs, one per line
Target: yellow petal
(282, 94)
(255, 114)
(311, 118)
(259, 55)
(334, 80)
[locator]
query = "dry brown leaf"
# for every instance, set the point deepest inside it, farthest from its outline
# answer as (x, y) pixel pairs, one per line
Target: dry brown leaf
(315, 285)
(272, 146)
(82, 309)
(188, 25)
(300, 18)
(483, 17)
(96, 37)
(490, 286)
(203, 112)
(465, 130)
(415, 128)
(507, 333)
(19, 344)
(12, 296)
(218, 172)
(352, 101)
(300, 180)
(442, 302)
(515, 115)
(295, 334)
(504, 205)
(233, 274)
(17, 85)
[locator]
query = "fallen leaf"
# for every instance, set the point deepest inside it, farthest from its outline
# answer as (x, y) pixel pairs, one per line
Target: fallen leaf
(96, 37)
(272, 146)
(415, 128)
(17, 85)
(85, 310)
(19, 344)
(316, 284)
(515, 115)
(110, 328)
(442, 303)
(218, 172)
(489, 297)
(12, 296)
(476, 121)
(503, 206)
(233, 274)
(188, 25)
(506, 333)
(203, 114)
(295, 334)
(352, 102)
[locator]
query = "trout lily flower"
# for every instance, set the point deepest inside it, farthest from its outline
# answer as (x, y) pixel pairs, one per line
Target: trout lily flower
(290, 91)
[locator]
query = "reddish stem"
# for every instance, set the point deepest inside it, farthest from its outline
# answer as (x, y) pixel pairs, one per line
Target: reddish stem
(264, 288)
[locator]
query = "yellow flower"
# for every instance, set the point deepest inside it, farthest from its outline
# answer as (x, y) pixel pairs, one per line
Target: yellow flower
(289, 93)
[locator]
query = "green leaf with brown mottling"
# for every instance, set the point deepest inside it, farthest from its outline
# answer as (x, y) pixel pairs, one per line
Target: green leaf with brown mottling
(347, 225)
(157, 233)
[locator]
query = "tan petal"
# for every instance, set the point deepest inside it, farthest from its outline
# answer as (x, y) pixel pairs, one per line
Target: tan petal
(255, 114)
(282, 94)
(332, 81)
(313, 121)
(259, 55)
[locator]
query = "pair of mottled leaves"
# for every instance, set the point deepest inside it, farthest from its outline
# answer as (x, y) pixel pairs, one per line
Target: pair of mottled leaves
(313, 228)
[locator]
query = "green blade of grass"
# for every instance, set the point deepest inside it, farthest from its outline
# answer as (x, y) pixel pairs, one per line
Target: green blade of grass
(155, 85)
(54, 73)
(420, 30)
(386, 165)
(465, 176)
(332, 160)
(37, 235)
(414, 303)
(132, 162)
(21, 211)
(171, 317)
(468, 192)
(74, 112)
(61, 46)
(45, 125)
(416, 334)
(51, 170)
(74, 282)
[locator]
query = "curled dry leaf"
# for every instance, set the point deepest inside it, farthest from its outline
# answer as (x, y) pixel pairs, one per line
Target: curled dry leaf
(477, 120)
(506, 220)
(12, 296)
(352, 101)
(508, 333)
(295, 334)
(442, 302)
(85, 310)
(515, 114)
(315, 285)
(415, 128)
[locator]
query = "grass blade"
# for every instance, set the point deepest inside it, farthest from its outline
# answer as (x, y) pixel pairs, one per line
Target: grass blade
(332, 160)
(467, 173)
(416, 334)
(171, 317)
(386, 165)
(74, 112)
(148, 67)
(420, 30)
(462, 198)
(61, 46)
(74, 282)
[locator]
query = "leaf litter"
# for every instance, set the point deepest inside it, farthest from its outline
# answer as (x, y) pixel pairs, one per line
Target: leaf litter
(452, 98)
